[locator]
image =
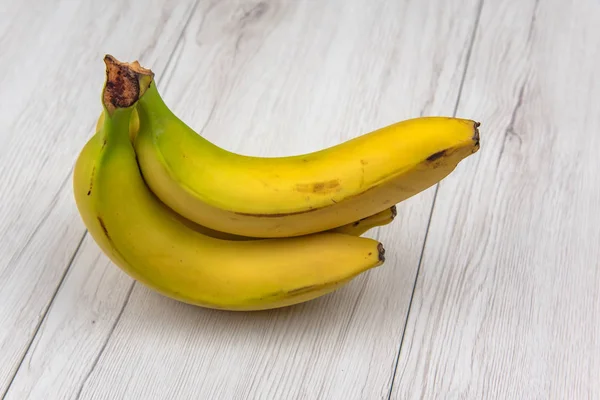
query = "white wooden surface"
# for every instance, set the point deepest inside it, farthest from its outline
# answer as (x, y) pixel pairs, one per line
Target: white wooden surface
(50, 74)
(505, 301)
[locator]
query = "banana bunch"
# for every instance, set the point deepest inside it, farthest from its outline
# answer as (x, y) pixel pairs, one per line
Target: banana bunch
(209, 227)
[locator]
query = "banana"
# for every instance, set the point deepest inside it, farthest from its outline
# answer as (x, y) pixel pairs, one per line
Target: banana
(143, 237)
(296, 195)
(356, 228)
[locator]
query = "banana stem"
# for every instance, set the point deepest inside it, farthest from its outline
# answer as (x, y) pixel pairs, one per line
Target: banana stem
(125, 84)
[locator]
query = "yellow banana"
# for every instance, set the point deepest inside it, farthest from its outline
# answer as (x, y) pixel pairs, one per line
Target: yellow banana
(356, 228)
(297, 195)
(142, 236)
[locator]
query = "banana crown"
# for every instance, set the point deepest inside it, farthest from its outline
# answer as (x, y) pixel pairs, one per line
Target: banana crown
(125, 83)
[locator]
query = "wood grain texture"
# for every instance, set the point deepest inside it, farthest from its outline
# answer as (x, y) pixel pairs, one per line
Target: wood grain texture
(74, 332)
(278, 78)
(51, 73)
(507, 303)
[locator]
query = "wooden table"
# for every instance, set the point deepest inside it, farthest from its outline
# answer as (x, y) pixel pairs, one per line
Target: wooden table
(491, 288)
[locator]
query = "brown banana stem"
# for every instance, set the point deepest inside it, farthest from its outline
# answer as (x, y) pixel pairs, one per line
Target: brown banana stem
(125, 83)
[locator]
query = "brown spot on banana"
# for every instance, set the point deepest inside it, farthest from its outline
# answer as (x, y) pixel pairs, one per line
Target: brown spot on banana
(319, 187)
(303, 211)
(436, 156)
(91, 181)
(296, 291)
(101, 222)
(303, 289)
(278, 214)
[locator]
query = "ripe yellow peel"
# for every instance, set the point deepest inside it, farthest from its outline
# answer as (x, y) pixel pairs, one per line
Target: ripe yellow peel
(290, 184)
(356, 228)
(298, 195)
(385, 177)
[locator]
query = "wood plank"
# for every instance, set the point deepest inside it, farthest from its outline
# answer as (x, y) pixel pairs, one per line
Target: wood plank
(74, 332)
(51, 74)
(277, 78)
(507, 303)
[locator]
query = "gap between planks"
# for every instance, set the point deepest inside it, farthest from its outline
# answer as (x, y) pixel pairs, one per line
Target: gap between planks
(435, 194)
(78, 247)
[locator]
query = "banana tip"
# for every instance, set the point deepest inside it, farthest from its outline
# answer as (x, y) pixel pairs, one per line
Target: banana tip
(476, 126)
(381, 251)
